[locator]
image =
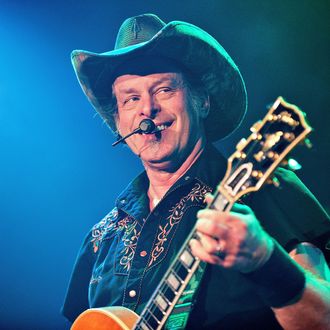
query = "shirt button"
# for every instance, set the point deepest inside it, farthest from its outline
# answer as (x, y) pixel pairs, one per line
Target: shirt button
(143, 253)
(123, 201)
(132, 293)
(187, 177)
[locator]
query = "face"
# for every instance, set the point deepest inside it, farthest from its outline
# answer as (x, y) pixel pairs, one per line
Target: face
(162, 97)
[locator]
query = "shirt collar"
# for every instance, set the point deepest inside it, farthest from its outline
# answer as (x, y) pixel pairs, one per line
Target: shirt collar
(209, 169)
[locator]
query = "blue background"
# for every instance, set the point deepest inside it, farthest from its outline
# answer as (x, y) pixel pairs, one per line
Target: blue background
(58, 172)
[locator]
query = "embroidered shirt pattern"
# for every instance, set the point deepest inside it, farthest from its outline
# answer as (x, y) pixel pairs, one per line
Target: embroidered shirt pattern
(128, 231)
(129, 240)
(196, 195)
(105, 226)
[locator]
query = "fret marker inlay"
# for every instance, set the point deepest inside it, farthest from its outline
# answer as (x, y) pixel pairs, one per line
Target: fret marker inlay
(161, 302)
(187, 259)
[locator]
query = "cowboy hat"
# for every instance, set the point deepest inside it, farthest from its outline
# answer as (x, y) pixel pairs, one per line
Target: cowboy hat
(186, 44)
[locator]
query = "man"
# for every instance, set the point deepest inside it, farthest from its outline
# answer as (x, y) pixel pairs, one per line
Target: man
(179, 77)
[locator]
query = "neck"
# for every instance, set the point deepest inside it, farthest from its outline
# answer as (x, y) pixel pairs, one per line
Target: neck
(161, 179)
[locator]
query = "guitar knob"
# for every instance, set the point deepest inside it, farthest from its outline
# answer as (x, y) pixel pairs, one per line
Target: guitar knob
(241, 144)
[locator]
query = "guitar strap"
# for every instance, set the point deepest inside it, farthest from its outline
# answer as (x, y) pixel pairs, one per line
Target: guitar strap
(181, 311)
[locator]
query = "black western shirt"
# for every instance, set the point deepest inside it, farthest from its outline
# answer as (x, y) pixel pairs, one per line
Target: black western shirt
(125, 255)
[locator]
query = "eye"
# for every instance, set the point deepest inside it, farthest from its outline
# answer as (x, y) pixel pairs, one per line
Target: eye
(164, 90)
(131, 99)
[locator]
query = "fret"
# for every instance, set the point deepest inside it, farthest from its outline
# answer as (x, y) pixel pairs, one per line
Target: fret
(154, 318)
(157, 311)
(188, 269)
(168, 293)
(187, 259)
(176, 274)
(162, 302)
(219, 202)
(181, 271)
(173, 281)
(143, 324)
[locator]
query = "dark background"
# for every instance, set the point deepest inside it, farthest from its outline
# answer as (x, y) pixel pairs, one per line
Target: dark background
(58, 172)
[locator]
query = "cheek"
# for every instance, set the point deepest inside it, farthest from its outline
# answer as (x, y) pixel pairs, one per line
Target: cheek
(123, 122)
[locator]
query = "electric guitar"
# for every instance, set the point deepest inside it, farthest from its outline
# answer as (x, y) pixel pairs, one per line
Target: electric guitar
(248, 168)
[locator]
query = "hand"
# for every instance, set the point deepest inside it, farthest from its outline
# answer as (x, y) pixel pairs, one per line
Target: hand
(233, 240)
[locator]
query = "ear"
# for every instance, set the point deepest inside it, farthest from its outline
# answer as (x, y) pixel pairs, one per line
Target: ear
(205, 108)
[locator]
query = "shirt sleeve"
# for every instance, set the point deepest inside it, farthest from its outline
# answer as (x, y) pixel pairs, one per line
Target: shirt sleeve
(76, 300)
(291, 213)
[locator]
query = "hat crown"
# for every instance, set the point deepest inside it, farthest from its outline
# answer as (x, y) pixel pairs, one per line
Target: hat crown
(137, 29)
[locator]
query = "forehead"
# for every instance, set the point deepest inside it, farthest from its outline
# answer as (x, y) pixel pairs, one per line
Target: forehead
(126, 82)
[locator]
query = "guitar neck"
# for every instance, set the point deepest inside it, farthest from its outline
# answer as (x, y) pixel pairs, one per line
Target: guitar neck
(176, 279)
(249, 167)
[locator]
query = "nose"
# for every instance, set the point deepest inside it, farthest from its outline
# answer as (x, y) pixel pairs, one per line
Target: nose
(149, 107)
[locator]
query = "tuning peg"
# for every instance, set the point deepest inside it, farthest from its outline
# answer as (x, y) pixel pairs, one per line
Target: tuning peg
(257, 174)
(272, 118)
(274, 181)
(259, 156)
(241, 144)
(308, 143)
(256, 136)
(293, 165)
(240, 154)
(289, 136)
(256, 126)
(285, 117)
(272, 155)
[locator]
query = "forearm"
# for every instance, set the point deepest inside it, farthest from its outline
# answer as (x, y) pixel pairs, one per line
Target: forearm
(311, 311)
(297, 287)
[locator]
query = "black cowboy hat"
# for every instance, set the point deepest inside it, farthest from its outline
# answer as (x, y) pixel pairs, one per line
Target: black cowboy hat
(184, 43)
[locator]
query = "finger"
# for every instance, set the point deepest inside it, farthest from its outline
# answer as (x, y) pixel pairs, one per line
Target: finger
(210, 244)
(214, 228)
(241, 208)
(212, 214)
(199, 252)
(237, 213)
(208, 198)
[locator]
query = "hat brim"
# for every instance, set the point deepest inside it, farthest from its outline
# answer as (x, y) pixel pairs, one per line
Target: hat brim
(188, 45)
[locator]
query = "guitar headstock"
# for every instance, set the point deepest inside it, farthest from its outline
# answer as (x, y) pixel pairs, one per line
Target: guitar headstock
(257, 157)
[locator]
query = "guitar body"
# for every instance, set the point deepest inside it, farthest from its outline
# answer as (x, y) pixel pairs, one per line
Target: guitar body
(106, 318)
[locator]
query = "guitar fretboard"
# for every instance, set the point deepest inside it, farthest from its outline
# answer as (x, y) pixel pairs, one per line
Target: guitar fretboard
(174, 282)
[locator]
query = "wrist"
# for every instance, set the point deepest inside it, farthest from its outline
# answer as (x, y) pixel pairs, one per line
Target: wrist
(261, 255)
(279, 280)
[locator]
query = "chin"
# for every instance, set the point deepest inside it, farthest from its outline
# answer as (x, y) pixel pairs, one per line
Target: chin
(163, 159)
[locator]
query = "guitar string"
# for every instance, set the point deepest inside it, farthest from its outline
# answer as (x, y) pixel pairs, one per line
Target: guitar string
(178, 263)
(152, 305)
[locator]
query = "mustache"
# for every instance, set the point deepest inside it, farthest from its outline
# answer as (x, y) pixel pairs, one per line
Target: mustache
(146, 126)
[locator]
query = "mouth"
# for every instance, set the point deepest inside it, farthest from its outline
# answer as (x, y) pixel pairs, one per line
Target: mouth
(162, 127)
